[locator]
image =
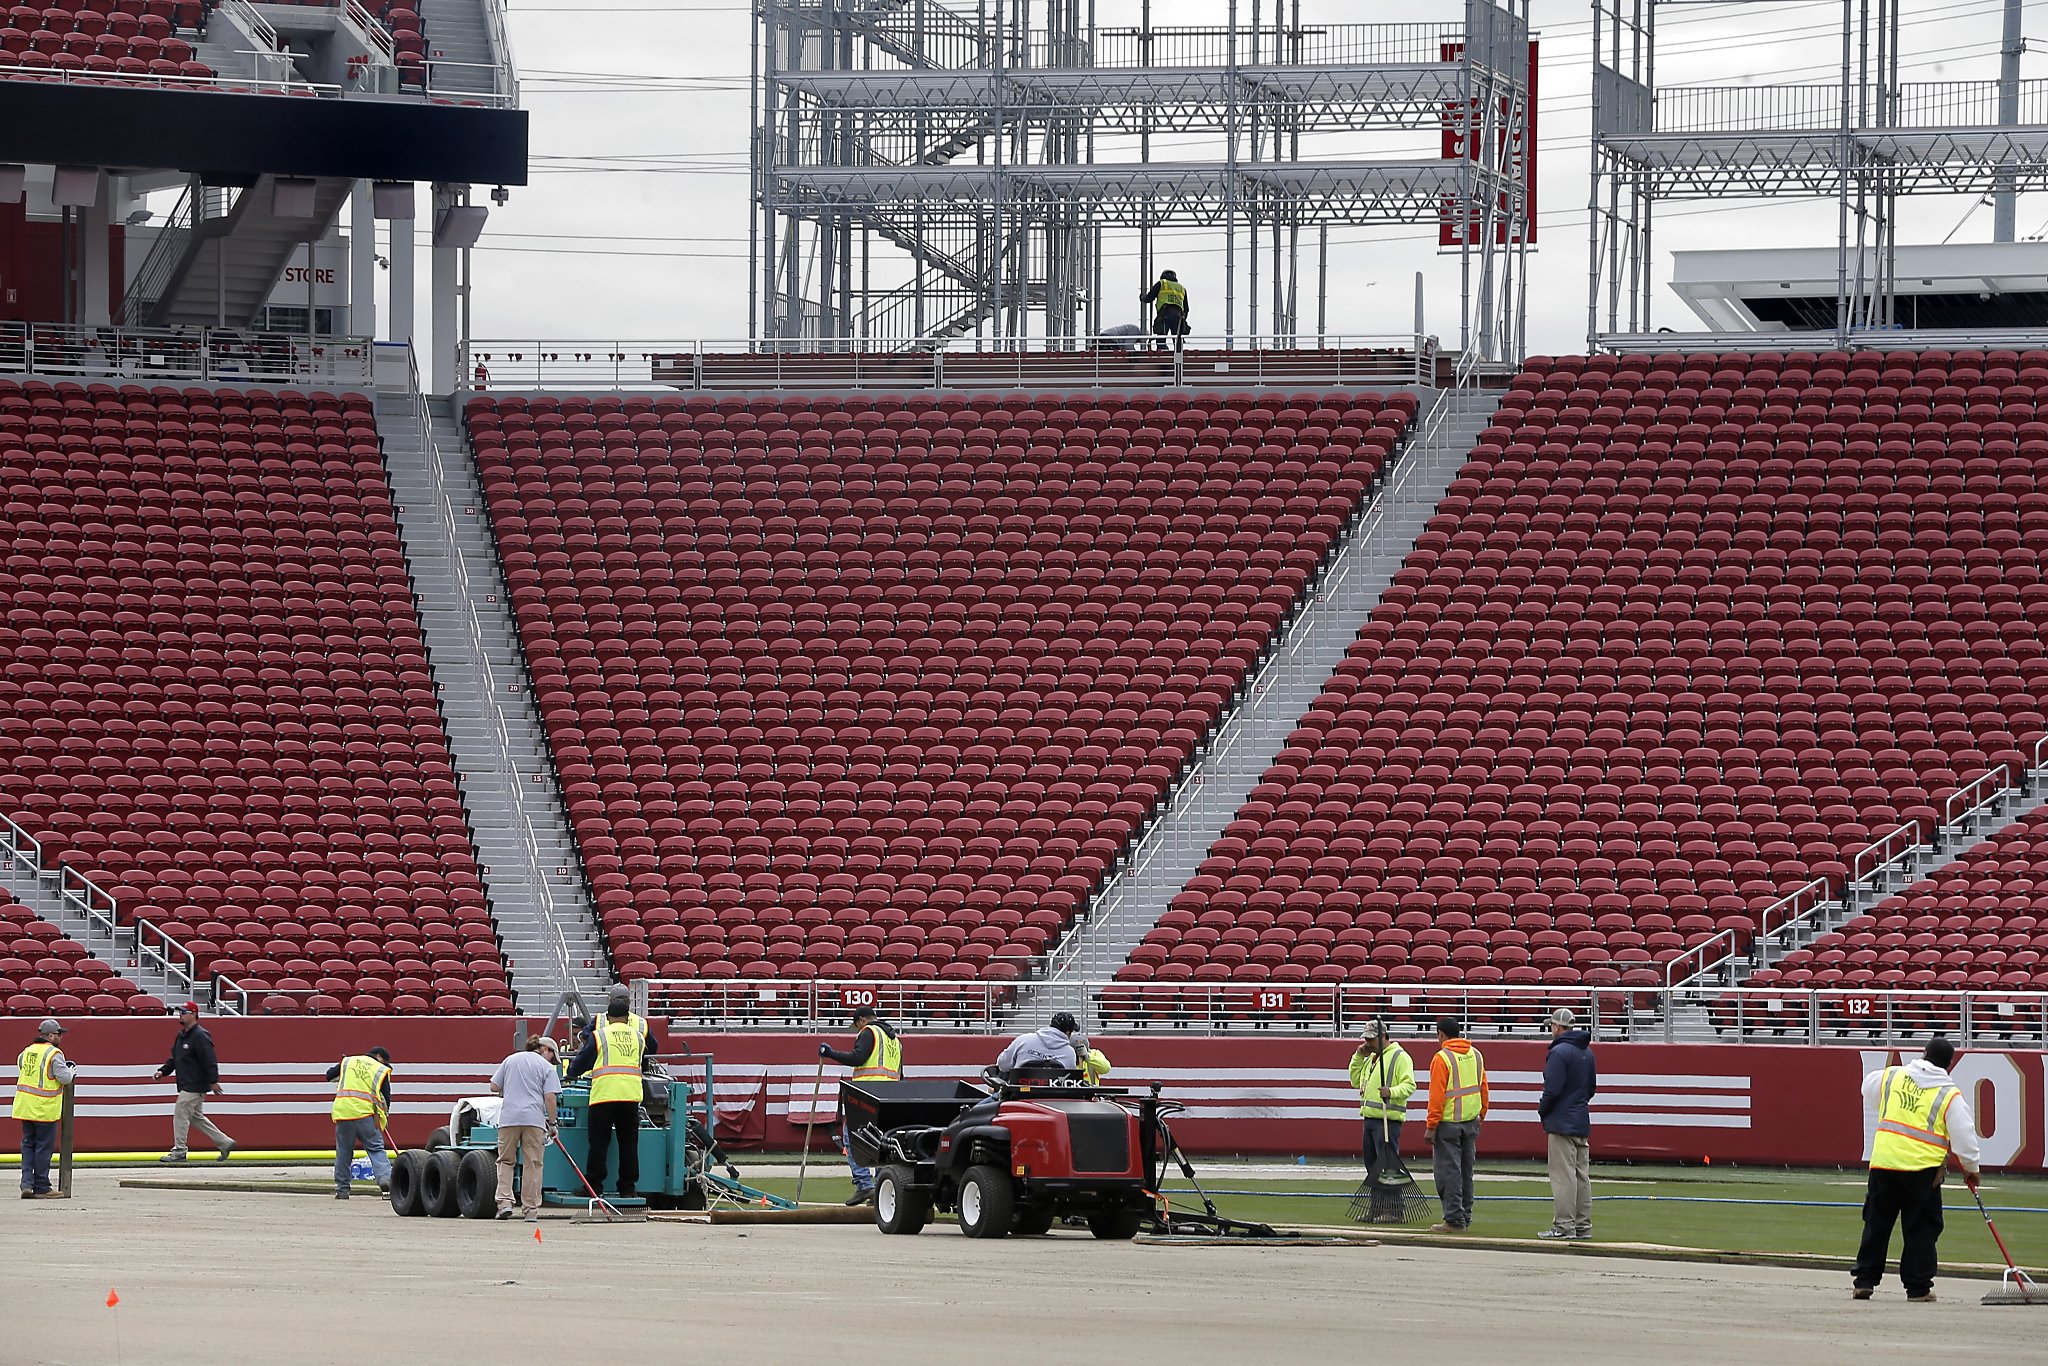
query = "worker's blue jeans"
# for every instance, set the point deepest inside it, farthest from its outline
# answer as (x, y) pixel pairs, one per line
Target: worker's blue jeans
(863, 1177)
(350, 1134)
(38, 1141)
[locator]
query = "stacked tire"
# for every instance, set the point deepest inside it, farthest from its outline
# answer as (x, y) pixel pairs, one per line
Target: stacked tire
(447, 1184)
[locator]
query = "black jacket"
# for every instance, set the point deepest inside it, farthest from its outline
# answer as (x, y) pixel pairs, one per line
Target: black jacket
(863, 1045)
(1569, 1081)
(193, 1059)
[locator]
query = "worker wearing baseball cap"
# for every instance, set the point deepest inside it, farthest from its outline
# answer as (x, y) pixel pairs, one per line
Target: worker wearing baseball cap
(1384, 1076)
(39, 1104)
(615, 1058)
(362, 1107)
(876, 1055)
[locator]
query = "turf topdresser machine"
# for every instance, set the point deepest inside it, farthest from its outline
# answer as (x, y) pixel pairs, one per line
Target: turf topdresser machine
(681, 1165)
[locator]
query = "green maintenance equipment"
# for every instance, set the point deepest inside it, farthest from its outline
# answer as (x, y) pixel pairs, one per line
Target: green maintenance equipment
(681, 1164)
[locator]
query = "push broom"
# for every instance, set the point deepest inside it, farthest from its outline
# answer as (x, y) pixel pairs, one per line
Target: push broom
(2015, 1286)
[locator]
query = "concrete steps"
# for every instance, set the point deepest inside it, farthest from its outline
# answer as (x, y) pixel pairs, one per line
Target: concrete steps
(115, 948)
(1948, 843)
(459, 52)
(546, 925)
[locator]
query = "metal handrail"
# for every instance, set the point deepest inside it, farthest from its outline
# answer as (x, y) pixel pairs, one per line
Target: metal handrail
(1987, 786)
(172, 961)
(1826, 339)
(497, 96)
(96, 906)
(164, 254)
(909, 362)
(21, 844)
(508, 772)
(372, 31)
(1789, 912)
(1692, 965)
(497, 33)
(1867, 861)
(227, 85)
(252, 22)
(199, 354)
(1850, 1016)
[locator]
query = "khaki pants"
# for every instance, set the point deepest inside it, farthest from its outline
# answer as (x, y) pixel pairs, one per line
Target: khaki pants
(516, 1141)
(1571, 1184)
(191, 1110)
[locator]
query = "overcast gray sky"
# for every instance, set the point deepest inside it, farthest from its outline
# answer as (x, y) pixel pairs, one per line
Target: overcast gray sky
(635, 224)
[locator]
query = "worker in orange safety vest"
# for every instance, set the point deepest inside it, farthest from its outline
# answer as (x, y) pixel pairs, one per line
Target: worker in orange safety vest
(1457, 1102)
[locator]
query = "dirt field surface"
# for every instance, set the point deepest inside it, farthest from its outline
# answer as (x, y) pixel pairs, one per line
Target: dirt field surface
(249, 1279)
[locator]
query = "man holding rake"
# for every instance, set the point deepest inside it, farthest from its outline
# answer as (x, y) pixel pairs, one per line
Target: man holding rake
(1384, 1076)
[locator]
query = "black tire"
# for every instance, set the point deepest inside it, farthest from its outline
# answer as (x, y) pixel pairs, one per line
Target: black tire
(1116, 1225)
(476, 1185)
(437, 1185)
(405, 1184)
(438, 1139)
(988, 1202)
(1032, 1221)
(899, 1206)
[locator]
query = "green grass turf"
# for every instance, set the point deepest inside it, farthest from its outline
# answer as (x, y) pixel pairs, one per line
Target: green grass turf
(1722, 1226)
(1691, 1207)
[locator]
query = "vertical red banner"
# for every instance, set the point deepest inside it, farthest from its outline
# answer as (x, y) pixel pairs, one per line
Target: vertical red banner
(1518, 150)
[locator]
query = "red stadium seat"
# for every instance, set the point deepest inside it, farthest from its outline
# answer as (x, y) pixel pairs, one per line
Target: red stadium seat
(907, 658)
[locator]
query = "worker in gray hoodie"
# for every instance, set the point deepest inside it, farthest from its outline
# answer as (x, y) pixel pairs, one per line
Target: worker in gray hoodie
(1054, 1045)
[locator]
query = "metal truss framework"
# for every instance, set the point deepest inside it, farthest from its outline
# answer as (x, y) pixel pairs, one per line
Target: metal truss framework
(1862, 141)
(941, 168)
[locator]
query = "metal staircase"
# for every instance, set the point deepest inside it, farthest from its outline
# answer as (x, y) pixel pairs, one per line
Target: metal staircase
(1999, 807)
(546, 925)
(222, 252)
(462, 60)
(85, 914)
(1210, 795)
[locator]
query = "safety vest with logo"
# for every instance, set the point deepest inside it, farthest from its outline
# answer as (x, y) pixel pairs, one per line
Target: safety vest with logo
(1464, 1087)
(616, 1076)
(1912, 1123)
(885, 1059)
(1094, 1066)
(38, 1096)
(1172, 294)
(359, 1091)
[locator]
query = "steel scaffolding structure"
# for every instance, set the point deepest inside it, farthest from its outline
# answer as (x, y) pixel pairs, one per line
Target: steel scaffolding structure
(1863, 140)
(937, 169)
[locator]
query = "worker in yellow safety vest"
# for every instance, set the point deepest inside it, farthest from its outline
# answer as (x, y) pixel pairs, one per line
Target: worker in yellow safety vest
(1917, 1116)
(876, 1055)
(362, 1109)
(615, 1057)
(1384, 1076)
(43, 1073)
(1457, 1102)
(1090, 1060)
(1169, 300)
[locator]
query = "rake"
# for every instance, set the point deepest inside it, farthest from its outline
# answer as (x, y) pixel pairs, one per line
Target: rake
(2015, 1286)
(1392, 1174)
